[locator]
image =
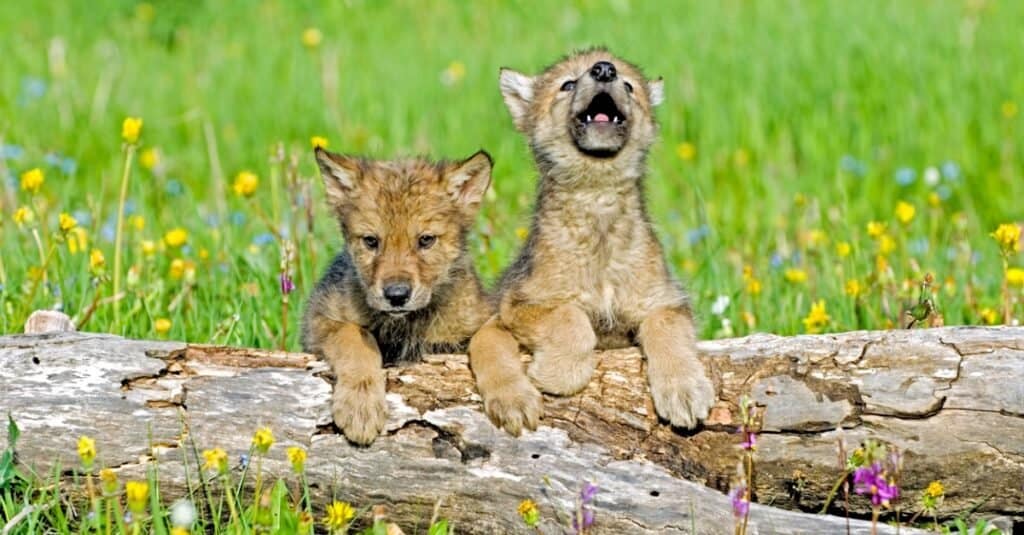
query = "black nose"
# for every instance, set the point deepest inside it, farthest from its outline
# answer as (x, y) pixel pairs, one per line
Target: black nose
(397, 293)
(603, 71)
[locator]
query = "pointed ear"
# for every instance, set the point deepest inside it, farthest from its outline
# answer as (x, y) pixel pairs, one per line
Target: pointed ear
(656, 90)
(517, 90)
(467, 181)
(339, 173)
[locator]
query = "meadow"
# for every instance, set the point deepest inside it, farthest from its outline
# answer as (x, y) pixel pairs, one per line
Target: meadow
(817, 159)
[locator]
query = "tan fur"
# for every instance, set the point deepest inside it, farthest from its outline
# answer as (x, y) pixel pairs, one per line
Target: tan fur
(349, 320)
(592, 273)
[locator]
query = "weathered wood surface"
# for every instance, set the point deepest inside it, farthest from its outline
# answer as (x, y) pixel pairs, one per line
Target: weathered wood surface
(952, 399)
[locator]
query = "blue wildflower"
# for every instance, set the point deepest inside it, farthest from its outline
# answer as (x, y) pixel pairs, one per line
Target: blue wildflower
(84, 217)
(174, 188)
(263, 239)
(905, 176)
(11, 152)
(951, 171)
(237, 219)
(694, 236)
(852, 165)
(776, 260)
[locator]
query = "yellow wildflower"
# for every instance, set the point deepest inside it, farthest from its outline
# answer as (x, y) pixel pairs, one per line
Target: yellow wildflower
(817, 318)
(843, 249)
(67, 222)
(1009, 109)
(136, 493)
(176, 237)
(454, 73)
(23, 215)
(297, 456)
(204, 253)
(876, 229)
(338, 515)
(749, 319)
(245, 184)
(78, 240)
(752, 285)
(318, 141)
(989, 316)
(881, 263)
(935, 489)
(178, 530)
(886, 244)
(86, 451)
(32, 180)
(522, 233)
(815, 237)
(1007, 235)
(311, 37)
(305, 523)
(263, 439)
(137, 222)
(148, 247)
(686, 151)
(905, 212)
(934, 200)
(853, 288)
(216, 459)
(182, 268)
(528, 511)
(796, 275)
(96, 259)
(131, 127)
(1015, 276)
(162, 325)
(150, 158)
(108, 481)
(799, 200)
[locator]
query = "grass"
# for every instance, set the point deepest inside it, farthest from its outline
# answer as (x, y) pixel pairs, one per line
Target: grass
(787, 128)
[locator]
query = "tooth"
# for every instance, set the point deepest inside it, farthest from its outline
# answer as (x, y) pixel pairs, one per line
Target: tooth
(615, 119)
(588, 118)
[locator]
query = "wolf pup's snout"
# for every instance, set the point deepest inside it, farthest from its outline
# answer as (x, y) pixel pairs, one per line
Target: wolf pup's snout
(603, 71)
(397, 292)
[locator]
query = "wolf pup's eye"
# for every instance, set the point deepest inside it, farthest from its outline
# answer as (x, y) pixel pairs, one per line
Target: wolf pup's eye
(427, 240)
(371, 242)
(569, 86)
(629, 87)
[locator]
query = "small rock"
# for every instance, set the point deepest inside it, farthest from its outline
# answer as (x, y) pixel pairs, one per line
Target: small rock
(48, 321)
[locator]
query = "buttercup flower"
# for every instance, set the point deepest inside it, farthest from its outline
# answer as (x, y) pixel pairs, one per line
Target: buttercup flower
(338, 515)
(86, 451)
(297, 456)
(245, 184)
(817, 319)
(905, 212)
(1007, 235)
(216, 459)
(853, 288)
(989, 316)
(32, 180)
(23, 215)
(263, 439)
(108, 481)
(1015, 277)
(843, 249)
(136, 493)
(96, 259)
(876, 229)
(528, 512)
(67, 222)
(131, 127)
(796, 275)
(162, 325)
(150, 158)
(176, 237)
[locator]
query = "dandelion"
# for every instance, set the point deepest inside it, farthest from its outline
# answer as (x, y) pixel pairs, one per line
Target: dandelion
(905, 211)
(843, 249)
(795, 275)
(318, 141)
(215, 459)
(686, 151)
(297, 457)
(23, 215)
(818, 318)
(853, 288)
(96, 259)
(1007, 235)
(86, 451)
(263, 439)
(150, 158)
(66, 222)
(528, 512)
(338, 516)
(131, 127)
(876, 229)
(1015, 277)
(989, 316)
(136, 493)
(311, 37)
(1009, 109)
(935, 489)
(162, 325)
(176, 237)
(183, 514)
(245, 184)
(32, 180)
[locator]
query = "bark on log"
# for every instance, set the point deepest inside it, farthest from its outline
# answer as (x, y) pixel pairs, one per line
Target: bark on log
(952, 399)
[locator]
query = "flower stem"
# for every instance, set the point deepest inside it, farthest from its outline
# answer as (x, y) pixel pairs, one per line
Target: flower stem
(129, 151)
(832, 493)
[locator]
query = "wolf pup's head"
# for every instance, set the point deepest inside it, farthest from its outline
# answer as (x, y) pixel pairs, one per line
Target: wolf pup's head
(404, 222)
(590, 109)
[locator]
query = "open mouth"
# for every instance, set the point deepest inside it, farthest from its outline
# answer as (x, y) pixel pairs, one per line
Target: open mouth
(602, 110)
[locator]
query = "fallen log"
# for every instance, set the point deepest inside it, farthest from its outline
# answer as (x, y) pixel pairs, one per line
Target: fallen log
(952, 400)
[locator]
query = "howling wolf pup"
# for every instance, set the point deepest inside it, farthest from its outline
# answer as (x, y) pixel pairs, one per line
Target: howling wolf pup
(591, 273)
(404, 283)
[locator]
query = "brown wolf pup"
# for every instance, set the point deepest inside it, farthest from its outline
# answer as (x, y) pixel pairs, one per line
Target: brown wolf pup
(591, 273)
(403, 285)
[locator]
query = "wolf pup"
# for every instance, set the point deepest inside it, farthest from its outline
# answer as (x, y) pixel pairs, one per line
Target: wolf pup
(591, 273)
(403, 285)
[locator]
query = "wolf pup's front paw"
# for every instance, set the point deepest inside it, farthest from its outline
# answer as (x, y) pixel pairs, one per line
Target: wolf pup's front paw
(360, 410)
(515, 405)
(683, 400)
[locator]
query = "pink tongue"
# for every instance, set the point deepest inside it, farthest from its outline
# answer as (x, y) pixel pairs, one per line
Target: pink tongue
(601, 118)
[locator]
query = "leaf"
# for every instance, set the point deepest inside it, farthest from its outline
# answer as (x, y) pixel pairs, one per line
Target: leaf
(12, 432)
(440, 528)
(6, 468)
